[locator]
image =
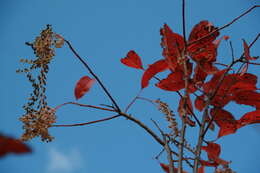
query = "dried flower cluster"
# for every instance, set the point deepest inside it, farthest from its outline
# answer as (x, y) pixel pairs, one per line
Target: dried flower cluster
(37, 124)
(165, 109)
(39, 116)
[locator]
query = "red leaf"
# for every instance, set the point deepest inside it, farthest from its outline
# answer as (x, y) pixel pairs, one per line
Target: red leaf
(213, 150)
(199, 75)
(205, 49)
(201, 169)
(217, 42)
(173, 45)
(249, 118)
(157, 67)
(202, 29)
(11, 145)
(225, 120)
(83, 86)
(133, 60)
(247, 52)
(165, 167)
(174, 82)
(248, 97)
(210, 86)
(208, 163)
(200, 103)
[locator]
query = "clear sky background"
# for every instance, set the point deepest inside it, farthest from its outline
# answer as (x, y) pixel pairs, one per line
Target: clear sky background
(103, 32)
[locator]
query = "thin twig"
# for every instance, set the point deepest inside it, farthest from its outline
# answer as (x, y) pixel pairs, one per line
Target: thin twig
(225, 26)
(167, 148)
(83, 105)
(186, 95)
(253, 63)
(94, 75)
(132, 102)
(222, 79)
(87, 123)
(232, 51)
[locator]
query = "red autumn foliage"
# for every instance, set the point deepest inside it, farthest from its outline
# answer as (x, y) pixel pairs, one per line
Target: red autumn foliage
(213, 150)
(249, 118)
(133, 60)
(83, 86)
(174, 82)
(11, 145)
(202, 52)
(157, 67)
(201, 169)
(173, 45)
(225, 120)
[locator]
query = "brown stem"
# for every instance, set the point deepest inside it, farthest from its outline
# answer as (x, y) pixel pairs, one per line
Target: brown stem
(87, 123)
(200, 140)
(167, 148)
(94, 75)
(83, 105)
(132, 102)
(148, 130)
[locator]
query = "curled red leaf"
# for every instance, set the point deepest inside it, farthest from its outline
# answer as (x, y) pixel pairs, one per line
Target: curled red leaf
(157, 67)
(249, 118)
(133, 60)
(83, 86)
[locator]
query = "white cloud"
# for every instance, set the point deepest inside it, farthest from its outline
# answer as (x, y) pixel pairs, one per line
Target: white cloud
(64, 162)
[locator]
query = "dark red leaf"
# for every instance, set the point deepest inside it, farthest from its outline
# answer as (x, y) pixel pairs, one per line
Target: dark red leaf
(210, 86)
(201, 169)
(249, 118)
(225, 120)
(165, 167)
(173, 45)
(11, 145)
(199, 75)
(208, 163)
(202, 29)
(213, 150)
(83, 86)
(133, 60)
(174, 82)
(200, 102)
(247, 52)
(157, 67)
(248, 97)
(203, 50)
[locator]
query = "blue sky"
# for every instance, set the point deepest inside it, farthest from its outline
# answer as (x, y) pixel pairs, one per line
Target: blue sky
(103, 32)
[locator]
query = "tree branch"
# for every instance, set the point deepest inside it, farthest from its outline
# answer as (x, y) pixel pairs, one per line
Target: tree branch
(94, 75)
(226, 25)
